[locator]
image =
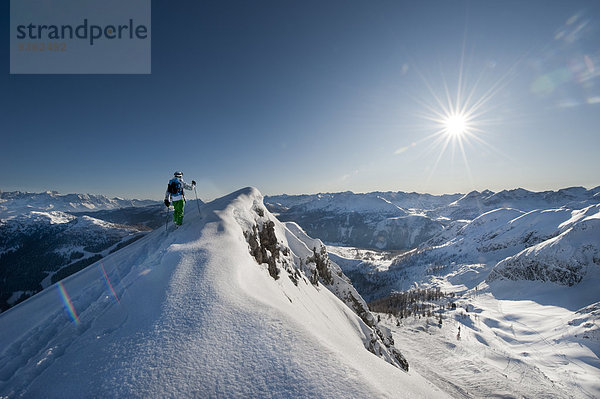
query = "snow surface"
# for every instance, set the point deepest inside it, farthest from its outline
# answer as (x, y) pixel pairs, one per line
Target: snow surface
(531, 339)
(189, 313)
(565, 258)
(517, 339)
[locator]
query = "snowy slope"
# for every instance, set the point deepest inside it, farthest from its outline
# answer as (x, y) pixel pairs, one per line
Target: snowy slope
(517, 339)
(564, 259)
(40, 248)
(191, 313)
(45, 237)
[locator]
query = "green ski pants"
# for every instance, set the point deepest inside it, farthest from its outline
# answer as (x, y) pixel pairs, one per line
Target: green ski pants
(178, 212)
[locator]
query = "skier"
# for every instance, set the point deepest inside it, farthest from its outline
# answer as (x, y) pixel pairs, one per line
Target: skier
(176, 196)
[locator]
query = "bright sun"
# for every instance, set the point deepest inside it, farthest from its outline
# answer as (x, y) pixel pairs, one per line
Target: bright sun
(455, 125)
(456, 116)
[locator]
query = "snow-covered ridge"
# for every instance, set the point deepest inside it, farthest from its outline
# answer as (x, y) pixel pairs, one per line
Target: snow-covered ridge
(192, 313)
(290, 252)
(564, 259)
(341, 202)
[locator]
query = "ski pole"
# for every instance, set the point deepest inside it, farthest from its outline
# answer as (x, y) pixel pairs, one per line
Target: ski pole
(197, 202)
(167, 222)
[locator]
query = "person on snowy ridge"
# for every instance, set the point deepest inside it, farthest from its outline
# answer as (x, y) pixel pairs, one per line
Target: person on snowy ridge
(176, 196)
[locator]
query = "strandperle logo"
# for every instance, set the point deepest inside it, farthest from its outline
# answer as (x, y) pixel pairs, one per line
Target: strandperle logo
(84, 31)
(80, 36)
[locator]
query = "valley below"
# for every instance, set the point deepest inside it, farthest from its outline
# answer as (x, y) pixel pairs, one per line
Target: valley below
(508, 339)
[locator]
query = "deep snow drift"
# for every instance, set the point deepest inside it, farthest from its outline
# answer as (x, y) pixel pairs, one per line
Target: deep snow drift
(190, 313)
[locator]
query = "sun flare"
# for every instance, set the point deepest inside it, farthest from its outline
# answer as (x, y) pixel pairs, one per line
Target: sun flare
(456, 124)
(457, 116)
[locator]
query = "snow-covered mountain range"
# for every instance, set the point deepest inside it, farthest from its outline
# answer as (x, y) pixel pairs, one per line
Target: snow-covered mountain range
(14, 203)
(523, 274)
(398, 220)
(557, 245)
(232, 304)
(548, 236)
(371, 220)
(45, 237)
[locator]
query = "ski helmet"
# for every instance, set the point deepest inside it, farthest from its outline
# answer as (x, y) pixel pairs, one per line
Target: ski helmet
(178, 174)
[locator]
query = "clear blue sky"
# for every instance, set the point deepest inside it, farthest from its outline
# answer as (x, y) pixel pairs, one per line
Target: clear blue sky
(314, 96)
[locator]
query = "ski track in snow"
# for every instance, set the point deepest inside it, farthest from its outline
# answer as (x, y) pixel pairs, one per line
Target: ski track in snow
(506, 349)
(471, 367)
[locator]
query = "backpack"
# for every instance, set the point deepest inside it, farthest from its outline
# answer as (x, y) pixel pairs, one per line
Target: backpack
(174, 187)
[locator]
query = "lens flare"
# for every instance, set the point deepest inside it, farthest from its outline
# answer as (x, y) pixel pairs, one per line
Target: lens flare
(68, 304)
(456, 115)
(108, 284)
